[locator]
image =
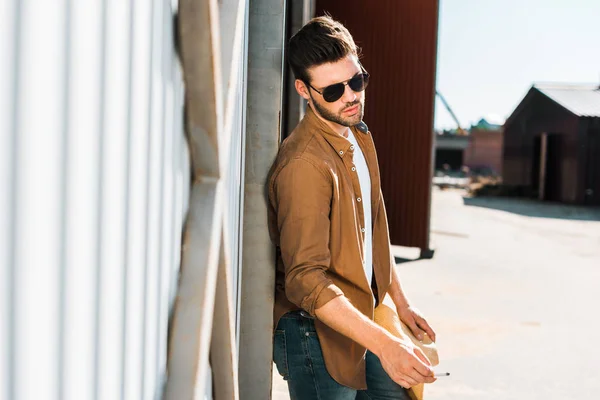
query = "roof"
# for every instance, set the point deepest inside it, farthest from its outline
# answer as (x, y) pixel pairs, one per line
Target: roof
(581, 100)
(485, 125)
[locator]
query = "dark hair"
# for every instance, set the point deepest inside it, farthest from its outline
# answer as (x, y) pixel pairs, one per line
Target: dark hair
(322, 40)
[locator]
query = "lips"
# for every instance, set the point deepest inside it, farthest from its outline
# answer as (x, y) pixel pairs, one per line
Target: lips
(351, 109)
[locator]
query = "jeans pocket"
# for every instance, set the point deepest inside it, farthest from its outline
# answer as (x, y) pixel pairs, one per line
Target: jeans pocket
(280, 353)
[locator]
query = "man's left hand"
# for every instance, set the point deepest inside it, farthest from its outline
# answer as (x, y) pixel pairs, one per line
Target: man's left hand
(416, 322)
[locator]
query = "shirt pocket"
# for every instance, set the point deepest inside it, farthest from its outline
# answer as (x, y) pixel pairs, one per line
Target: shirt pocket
(280, 353)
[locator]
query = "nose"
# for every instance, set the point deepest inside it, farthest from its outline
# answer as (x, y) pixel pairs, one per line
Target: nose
(349, 94)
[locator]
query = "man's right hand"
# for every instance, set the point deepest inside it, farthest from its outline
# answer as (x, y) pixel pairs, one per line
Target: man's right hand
(405, 363)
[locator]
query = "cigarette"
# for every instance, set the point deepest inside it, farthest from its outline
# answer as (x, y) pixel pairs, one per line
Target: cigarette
(438, 374)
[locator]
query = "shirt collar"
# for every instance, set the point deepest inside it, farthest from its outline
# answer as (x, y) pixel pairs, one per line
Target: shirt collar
(340, 144)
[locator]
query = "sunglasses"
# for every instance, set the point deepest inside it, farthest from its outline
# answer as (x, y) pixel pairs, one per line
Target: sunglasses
(334, 92)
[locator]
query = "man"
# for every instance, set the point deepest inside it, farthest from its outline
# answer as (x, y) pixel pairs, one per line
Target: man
(328, 222)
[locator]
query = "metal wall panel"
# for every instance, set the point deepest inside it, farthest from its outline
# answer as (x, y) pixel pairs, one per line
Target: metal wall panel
(95, 164)
(8, 14)
(399, 47)
(235, 179)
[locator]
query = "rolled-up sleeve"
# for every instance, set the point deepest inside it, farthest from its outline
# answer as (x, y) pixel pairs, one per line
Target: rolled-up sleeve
(303, 199)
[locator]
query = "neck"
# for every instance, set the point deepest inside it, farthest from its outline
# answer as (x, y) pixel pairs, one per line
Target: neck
(337, 128)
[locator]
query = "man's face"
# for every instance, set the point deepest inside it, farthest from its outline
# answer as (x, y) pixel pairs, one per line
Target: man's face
(348, 110)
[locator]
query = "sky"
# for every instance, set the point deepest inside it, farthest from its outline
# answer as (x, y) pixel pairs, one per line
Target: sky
(490, 52)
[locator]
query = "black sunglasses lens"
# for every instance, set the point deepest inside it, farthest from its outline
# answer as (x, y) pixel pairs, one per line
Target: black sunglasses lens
(359, 82)
(333, 93)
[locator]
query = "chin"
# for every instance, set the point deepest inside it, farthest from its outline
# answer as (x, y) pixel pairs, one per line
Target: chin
(351, 121)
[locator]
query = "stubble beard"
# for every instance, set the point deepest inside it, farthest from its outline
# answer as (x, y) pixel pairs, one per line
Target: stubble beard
(339, 118)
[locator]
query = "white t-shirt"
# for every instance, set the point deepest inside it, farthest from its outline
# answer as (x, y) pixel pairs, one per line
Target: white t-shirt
(364, 180)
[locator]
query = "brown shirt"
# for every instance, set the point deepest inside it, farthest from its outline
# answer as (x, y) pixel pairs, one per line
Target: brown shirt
(315, 221)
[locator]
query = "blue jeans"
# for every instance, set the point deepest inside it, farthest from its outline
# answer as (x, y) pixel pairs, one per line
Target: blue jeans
(298, 357)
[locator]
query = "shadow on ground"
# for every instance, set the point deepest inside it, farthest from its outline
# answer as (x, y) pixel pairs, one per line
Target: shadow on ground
(533, 208)
(401, 260)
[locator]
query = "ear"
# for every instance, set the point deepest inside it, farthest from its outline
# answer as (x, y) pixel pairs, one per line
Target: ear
(302, 89)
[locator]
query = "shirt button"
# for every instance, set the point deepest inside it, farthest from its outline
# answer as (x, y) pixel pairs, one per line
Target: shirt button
(358, 199)
(363, 230)
(352, 147)
(353, 169)
(341, 152)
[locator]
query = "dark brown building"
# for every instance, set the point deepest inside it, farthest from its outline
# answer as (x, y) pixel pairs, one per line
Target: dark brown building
(399, 47)
(552, 143)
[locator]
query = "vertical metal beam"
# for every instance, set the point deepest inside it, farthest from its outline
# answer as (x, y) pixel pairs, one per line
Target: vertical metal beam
(231, 17)
(293, 104)
(163, 61)
(146, 240)
(308, 10)
(243, 94)
(65, 205)
(264, 104)
(100, 191)
(13, 203)
(126, 210)
(543, 165)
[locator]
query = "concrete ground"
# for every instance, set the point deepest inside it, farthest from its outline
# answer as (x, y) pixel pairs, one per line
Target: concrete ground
(512, 293)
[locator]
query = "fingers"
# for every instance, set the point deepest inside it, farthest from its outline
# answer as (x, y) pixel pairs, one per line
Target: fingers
(414, 328)
(406, 364)
(416, 331)
(424, 325)
(421, 363)
(418, 368)
(413, 377)
(419, 353)
(429, 379)
(405, 381)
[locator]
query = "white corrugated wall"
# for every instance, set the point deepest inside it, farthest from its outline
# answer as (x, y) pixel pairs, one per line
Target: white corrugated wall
(94, 185)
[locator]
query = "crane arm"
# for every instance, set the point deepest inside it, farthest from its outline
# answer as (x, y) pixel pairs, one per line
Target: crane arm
(459, 128)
